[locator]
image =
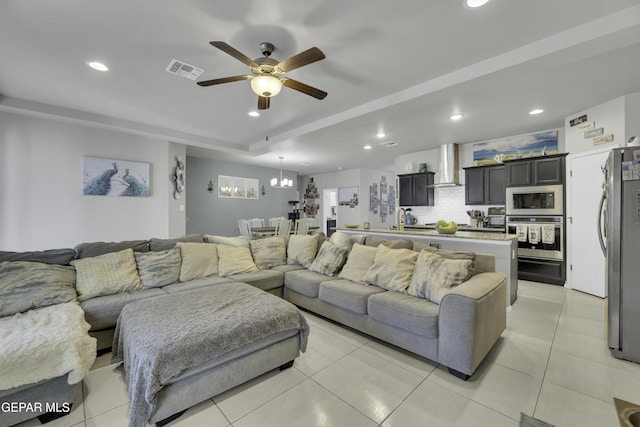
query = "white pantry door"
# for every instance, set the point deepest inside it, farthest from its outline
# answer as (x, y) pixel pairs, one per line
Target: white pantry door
(586, 262)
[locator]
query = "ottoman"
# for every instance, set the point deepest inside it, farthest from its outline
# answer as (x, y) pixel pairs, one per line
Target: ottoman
(181, 349)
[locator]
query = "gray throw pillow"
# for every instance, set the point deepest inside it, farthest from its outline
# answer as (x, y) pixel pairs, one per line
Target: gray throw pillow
(435, 274)
(269, 252)
(346, 240)
(329, 259)
(159, 268)
(27, 285)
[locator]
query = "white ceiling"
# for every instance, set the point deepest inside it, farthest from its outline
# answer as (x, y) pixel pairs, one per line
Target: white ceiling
(402, 67)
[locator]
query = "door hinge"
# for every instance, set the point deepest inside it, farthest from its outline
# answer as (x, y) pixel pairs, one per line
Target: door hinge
(570, 220)
(570, 173)
(570, 267)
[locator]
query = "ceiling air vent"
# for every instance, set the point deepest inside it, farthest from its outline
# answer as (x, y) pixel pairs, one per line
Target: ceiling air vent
(389, 143)
(182, 69)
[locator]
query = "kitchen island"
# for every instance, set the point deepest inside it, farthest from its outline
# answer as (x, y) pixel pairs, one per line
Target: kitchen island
(503, 246)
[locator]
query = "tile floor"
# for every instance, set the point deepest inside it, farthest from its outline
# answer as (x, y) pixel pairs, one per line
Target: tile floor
(552, 362)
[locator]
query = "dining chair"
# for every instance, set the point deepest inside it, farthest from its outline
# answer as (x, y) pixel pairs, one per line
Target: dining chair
(256, 222)
(273, 222)
(245, 229)
(283, 228)
(302, 226)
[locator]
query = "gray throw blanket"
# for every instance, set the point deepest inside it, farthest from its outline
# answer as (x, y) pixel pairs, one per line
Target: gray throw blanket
(159, 338)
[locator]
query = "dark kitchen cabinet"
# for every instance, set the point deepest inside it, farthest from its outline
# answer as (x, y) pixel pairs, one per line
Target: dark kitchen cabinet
(537, 171)
(485, 185)
(416, 189)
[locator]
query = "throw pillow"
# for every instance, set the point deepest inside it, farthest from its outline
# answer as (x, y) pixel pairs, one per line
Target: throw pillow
(234, 260)
(435, 274)
(159, 268)
(360, 260)
(238, 241)
(329, 259)
(198, 260)
(302, 249)
(269, 252)
(27, 285)
(107, 274)
(392, 268)
(346, 240)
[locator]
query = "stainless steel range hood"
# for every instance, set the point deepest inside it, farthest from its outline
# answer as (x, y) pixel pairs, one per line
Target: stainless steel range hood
(448, 175)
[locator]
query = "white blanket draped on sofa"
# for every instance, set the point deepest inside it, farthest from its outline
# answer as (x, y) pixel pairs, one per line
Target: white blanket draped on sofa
(45, 343)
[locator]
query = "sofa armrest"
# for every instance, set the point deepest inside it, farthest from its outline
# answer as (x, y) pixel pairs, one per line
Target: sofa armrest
(471, 318)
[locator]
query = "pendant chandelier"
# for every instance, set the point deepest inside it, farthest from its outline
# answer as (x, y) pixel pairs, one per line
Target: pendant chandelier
(283, 183)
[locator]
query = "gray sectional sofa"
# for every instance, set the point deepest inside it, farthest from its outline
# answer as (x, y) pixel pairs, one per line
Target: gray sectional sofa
(332, 280)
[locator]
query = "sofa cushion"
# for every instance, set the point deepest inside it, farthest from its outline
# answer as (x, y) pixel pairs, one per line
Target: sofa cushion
(392, 268)
(49, 256)
(102, 313)
(164, 244)
(287, 267)
(329, 259)
(92, 249)
(347, 294)
(360, 260)
(158, 268)
(202, 282)
(234, 260)
(198, 260)
(346, 240)
(302, 249)
(27, 285)
(269, 252)
(263, 279)
(106, 274)
(237, 241)
(305, 282)
(436, 273)
(403, 311)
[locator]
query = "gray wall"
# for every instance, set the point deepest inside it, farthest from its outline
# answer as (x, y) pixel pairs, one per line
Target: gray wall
(209, 214)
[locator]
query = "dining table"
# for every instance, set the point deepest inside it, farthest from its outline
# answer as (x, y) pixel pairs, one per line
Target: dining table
(268, 231)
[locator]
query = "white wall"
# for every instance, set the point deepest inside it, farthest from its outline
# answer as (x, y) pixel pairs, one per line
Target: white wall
(41, 201)
(610, 116)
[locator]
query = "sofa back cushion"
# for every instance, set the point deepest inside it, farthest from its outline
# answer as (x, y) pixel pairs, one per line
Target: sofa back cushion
(164, 244)
(346, 240)
(269, 252)
(198, 260)
(392, 268)
(106, 274)
(159, 268)
(49, 256)
(436, 273)
(27, 285)
(360, 260)
(92, 249)
(238, 241)
(234, 260)
(302, 249)
(329, 259)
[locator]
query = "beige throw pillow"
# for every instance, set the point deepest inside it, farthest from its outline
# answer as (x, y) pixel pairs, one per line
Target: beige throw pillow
(360, 260)
(392, 268)
(435, 273)
(238, 241)
(269, 252)
(106, 274)
(235, 260)
(329, 259)
(346, 240)
(302, 249)
(198, 260)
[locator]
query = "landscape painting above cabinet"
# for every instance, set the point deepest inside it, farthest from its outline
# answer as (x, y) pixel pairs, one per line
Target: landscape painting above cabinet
(537, 144)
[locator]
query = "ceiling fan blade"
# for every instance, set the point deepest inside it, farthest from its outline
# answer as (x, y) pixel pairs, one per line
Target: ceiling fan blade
(303, 58)
(304, 88)
(235, 53)
(224, 80)
(263, 103)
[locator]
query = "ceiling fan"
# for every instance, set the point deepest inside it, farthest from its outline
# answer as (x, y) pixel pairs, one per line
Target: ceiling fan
(267, 74)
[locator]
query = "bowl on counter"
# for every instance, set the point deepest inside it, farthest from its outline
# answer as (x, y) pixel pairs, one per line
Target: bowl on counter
(446, 230)
(352, 226)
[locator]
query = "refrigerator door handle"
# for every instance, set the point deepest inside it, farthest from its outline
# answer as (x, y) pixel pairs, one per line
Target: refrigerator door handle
(600, 237)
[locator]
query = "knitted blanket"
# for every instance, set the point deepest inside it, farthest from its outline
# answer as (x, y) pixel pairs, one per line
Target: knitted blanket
(159, 338)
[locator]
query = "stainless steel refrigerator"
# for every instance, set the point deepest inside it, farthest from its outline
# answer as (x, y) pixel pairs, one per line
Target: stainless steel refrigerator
(619, 231)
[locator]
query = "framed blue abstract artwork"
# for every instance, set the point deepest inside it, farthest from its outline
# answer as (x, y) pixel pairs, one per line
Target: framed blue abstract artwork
(109, 177)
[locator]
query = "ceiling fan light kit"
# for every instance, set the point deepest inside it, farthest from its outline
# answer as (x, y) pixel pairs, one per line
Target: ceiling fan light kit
(267, 74)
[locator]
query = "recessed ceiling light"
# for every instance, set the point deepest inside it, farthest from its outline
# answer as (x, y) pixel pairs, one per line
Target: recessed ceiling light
(99, 66)
(456, 116)
(254, 114)
(306, 164)
(367, 147)
(339, 168)
(536, 111)
(476, 3)
(381, 134)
